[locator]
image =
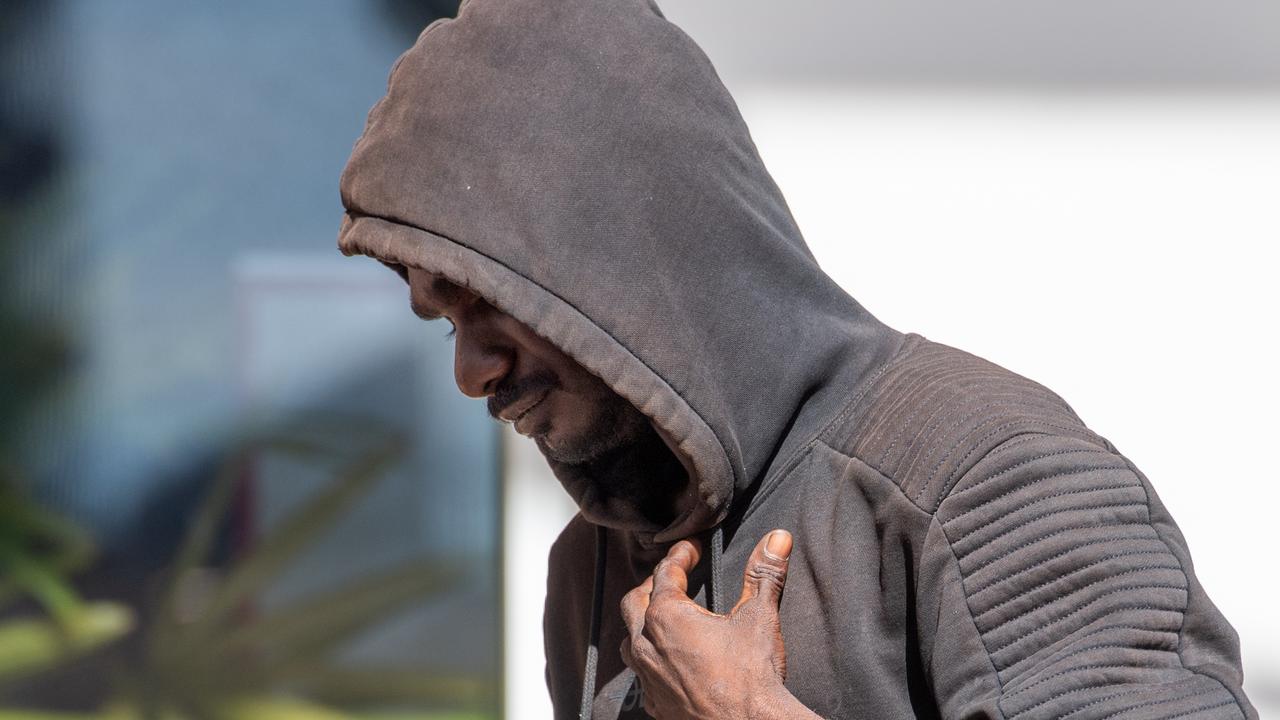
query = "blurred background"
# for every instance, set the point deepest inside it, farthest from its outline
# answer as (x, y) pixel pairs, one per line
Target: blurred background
(238, 480)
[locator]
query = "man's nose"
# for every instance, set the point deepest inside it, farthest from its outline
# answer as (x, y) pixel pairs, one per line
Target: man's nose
(478, 365)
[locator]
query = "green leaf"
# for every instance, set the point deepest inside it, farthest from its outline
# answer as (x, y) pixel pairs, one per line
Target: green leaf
(29, 646)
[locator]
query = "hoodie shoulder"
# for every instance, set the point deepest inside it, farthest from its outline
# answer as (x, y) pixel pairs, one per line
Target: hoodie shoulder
(935, 411)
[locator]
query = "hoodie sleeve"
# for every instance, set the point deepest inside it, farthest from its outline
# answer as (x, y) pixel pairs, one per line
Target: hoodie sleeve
(1054, 583)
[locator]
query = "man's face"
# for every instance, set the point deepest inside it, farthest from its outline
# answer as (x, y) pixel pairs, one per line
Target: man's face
(572, 415)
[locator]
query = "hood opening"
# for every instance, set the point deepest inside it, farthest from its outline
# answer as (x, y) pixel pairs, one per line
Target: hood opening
(399, 246)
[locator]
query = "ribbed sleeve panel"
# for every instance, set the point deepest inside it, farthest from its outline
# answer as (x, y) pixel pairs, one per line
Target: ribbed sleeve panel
(1078, 600)
(1077, 597)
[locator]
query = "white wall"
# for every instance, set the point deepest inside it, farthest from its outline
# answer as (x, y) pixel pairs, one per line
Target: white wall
(1117, 248)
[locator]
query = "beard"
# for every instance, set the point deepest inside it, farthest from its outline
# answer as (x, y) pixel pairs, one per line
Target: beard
(621, 474)
(617, 423)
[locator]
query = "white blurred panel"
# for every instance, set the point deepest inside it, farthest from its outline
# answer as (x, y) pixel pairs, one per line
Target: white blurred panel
(1033, 43)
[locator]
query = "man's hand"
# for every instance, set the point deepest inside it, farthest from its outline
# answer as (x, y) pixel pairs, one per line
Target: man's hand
(692, 663)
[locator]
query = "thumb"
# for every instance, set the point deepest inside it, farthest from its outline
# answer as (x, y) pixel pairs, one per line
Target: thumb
(766, 571)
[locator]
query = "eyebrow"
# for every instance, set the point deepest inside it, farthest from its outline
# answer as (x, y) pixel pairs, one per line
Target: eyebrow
(446, 288)
(443, 288)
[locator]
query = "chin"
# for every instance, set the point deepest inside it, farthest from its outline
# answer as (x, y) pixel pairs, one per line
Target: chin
(554, 449)
(574, 450)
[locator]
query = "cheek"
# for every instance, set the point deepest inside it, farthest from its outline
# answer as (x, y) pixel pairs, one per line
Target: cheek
(572, 414)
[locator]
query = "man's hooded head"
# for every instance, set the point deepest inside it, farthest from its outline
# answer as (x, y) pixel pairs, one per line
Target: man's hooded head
(579, 423)
(579, 166)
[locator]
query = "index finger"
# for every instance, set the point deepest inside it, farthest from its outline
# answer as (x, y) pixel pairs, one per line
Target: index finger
(671, 576)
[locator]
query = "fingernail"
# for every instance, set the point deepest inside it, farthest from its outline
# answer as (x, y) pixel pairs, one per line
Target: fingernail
(778, 546)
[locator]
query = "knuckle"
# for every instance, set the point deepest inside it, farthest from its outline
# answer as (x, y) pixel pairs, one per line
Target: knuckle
(642, 654)
(653, 615)
(764, 573)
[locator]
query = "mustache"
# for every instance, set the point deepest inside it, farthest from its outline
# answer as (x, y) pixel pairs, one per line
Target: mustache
(509, 391)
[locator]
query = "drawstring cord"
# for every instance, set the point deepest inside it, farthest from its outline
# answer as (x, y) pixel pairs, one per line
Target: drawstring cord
(715, 598)
(593, 640)
(715, 603)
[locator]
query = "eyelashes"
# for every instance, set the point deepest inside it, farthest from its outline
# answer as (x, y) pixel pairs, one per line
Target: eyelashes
(452, 331)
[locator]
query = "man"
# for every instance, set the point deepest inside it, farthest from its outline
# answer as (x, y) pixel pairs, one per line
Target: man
(787, 508)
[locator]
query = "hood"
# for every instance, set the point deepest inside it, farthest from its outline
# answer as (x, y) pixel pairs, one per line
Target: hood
(579, 164)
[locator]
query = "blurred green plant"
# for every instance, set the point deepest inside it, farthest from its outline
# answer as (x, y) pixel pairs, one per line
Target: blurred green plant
(209, 652)
(38, 552)
(204, 651)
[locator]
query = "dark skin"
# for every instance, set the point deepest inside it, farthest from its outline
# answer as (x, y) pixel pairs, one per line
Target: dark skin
(691, 663)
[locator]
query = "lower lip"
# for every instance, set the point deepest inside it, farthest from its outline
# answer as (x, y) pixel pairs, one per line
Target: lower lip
(522, 423)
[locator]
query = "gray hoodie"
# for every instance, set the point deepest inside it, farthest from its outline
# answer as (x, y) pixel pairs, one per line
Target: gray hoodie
(965, 547)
